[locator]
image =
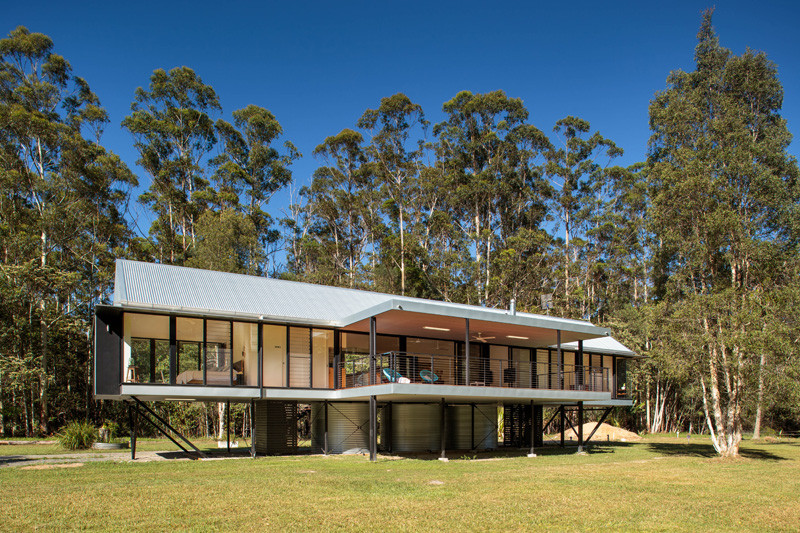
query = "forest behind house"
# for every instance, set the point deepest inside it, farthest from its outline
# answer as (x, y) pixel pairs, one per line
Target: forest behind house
(689, 257)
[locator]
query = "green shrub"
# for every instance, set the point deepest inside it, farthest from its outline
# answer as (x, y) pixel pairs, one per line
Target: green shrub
(77, 436)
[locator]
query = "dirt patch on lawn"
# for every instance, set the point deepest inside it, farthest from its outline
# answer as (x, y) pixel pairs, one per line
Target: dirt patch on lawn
(51, 466)
(605, 432)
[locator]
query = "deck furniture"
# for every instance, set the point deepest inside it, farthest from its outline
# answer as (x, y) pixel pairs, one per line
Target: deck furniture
(428, 376)
(391, 375)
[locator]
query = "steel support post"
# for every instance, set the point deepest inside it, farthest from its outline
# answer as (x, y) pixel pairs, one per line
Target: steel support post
(228, 423)
(472, 427)
(372, 348)
(325, 435)
(559, 361)
(563, 424)
(580, 427)
(533, 431)
(132, 421)
(260, 352)
(253, 426)
(443, 429)
(466, 351)
(387, 419)
(373, 428)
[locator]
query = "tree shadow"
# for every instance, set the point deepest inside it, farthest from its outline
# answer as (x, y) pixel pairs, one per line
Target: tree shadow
(11, 460)
(707, 450)
(549, 449)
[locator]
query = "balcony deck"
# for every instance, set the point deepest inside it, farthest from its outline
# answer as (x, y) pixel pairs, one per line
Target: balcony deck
(416, 377)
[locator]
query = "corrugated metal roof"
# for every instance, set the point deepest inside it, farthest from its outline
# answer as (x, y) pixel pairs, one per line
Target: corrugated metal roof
(603, 345)
(166, 287)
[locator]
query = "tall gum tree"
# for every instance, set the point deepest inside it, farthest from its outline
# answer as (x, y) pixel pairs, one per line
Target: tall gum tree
(724, 208)
(476, 149)
(340, 212)
(61, 202)
(173, 132)
(397, 166)
(576, 173)
(249, 171)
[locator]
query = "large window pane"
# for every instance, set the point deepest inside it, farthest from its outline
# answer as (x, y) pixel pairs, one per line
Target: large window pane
(218, 352)
(149, 361)
(274, 356)
(569, 370)
(245, 353)
(322, 358)
(521, 358)
(622, 378)
(146, 348)
(299, 357)
(189, 362)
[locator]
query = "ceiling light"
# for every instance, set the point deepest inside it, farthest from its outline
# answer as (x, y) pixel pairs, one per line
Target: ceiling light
(518, 337)
(433, 328)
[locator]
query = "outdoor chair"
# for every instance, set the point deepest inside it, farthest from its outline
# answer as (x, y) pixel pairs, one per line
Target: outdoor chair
(428, 376)
(392, 375)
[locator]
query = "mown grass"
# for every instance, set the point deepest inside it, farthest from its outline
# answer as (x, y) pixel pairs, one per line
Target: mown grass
(656, 484)
(145, 445)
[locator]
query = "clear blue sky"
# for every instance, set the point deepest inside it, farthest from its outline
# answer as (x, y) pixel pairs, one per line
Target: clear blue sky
(318, 65)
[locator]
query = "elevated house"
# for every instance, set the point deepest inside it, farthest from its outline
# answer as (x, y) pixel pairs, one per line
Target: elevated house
(403, 374)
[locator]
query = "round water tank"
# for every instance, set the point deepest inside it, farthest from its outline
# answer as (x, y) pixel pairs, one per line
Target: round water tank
(415, 427)
(348, 427)
(463, 435)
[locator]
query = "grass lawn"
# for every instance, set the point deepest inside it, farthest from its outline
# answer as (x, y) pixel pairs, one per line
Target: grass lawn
(657, 484)
(145, 445)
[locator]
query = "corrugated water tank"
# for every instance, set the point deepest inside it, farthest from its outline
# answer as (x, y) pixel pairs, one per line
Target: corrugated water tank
(415, 427)
(460, 433)
(348, 427)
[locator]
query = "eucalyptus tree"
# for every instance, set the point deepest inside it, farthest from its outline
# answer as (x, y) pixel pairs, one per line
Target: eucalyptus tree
(398, 165)
(60, 222)
(724, 208)
(249, 171)
(479, 147)
(576, 172)
(618, 231)
(174, 132)
(340, 213)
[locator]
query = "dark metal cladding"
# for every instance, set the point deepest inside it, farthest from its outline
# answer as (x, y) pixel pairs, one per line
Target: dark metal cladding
(108, 351)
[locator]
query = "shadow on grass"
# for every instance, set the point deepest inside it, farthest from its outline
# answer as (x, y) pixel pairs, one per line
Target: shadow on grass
(707, 450)
(11, 460)
(210, 453)
(503, 453)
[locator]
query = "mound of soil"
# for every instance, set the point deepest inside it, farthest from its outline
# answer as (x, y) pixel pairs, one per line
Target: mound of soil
(605, 432)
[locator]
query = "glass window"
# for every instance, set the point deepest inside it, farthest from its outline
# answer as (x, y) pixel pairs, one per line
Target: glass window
(189, 358)
(622, 377)
(299, 357)
(146, 348)
(274, 356)
(608, 372)
(219, 341)
(358, 343)
(245, 354)
(521, 363)
(149, 361)
(569, 370)
(322, 358)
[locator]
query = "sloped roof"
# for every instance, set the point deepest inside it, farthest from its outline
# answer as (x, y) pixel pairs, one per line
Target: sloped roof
(171, 288)
(601, 345)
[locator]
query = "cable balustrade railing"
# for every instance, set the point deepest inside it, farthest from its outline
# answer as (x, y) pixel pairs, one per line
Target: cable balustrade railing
(355, 370)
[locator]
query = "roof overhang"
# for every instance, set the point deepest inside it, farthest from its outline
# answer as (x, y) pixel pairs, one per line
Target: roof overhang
(448, 321)
(220, 313)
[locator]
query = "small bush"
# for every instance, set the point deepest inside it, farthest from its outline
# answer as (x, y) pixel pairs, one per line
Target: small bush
(77, 436)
